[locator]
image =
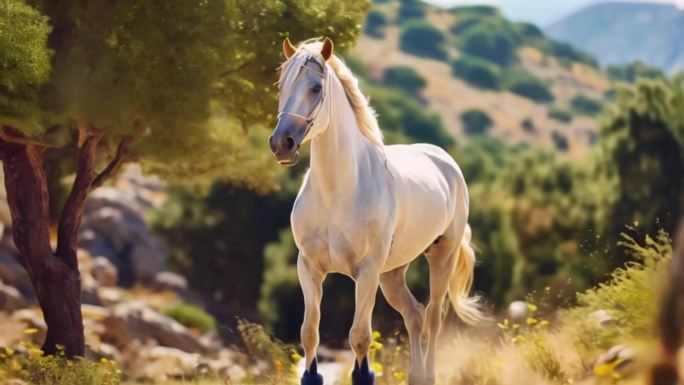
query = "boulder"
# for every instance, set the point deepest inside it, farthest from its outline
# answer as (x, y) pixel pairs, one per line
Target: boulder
(104, 272)
(10, 298)
(103, 350)
(136, 321)
(167, 280)
(160, 363)
(32, 319)
(601, 318)
(517, 311)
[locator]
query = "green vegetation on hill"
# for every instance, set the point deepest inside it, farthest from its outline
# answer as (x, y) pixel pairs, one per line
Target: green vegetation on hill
(411, 9)
(477, 72)
(476, 122)
(405, 78)
(584, 105)
(632, 72)
(375, 23)
(420, 38)
(525, 84)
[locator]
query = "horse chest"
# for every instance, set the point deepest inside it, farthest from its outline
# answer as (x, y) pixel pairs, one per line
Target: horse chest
(338, 238)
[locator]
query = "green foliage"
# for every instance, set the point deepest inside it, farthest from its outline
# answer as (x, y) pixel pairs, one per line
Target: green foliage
(630, 297)
(420, 38)
(641, 139)
(411, 9)
(491, 43)
(476, 122)
(565, 51)
(528, 125)
(525, 84)
(400, 113)
(560, 141)
(476, 10)
(477, 72)
(375, 22)
(191, 316)
(405, 78)
(38, 369)
(632, 72)
(584, 105)
(560, 114)
(25, 63)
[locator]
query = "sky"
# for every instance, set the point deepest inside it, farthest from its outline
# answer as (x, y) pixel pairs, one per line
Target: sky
(540, 12)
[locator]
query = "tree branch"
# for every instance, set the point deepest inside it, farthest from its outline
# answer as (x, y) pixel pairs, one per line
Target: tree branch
(113, 166)
(72, 213)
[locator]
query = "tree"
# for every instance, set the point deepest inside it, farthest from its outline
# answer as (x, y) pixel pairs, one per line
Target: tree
(491, 42)
(523, 83)
(477, 72)
(167, 83)
(411, 9)
(642, 142)
(375, 22)
(405, 78)
(422, 39)
(476, 122)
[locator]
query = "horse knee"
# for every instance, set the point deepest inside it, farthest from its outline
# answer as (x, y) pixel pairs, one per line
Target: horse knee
(309, 338)
(414, 318)
(360, 340)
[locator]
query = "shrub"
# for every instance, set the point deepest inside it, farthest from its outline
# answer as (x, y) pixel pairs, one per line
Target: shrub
(191, 316)
(479, 10)
(560, 114)
(560, 141)
(464, 23)
(375, 22)
(528, 125)
(477, 72)
(525, 84)
(411, 9)
(632, 72)
(476, 122)
(494, 44)
(586, 106)
(405, 78)
(421, 39)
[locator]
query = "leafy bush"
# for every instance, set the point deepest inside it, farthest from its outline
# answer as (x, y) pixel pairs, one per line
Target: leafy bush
(478, 10)
(560, 141)
(405, 78)
(191, 316)
(494, 44)
(375, 22)
(528, 125)
(477, 72)
(411, 9)
(525, 84)
(422, 39)
(632, 72)
(586, 106)
(560, 114)
(476, 122)
(566, 51)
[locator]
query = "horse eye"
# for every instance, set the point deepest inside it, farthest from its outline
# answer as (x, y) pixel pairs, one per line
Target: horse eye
(316, 89)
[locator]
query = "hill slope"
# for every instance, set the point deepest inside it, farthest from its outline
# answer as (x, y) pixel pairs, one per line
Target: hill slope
(450, 96)
(620, 33)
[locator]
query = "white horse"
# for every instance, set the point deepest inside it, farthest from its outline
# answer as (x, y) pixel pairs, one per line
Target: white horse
(367, 210)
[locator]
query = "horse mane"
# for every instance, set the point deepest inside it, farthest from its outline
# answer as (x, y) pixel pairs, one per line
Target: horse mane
(364, 113)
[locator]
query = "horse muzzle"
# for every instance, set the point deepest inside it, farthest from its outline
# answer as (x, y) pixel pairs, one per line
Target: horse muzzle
(285, 148)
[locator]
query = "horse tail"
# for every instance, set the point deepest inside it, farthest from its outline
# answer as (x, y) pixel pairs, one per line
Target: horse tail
(467, 307)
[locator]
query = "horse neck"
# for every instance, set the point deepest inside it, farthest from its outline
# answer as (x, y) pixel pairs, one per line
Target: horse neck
(339, 154)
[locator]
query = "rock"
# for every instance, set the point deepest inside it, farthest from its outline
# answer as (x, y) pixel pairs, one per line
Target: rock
(160, 363)
(167, 280)
(517, 311)
(135, 320)
(10, 298)
(103, 350)
(11, 272)
(148, 257)
(601, 318)
(104, 272)
(621, 356)
(32, 319)
(109, 296)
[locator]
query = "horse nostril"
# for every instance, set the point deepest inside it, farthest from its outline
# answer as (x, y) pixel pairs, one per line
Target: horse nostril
(271, 144)
(289, 143)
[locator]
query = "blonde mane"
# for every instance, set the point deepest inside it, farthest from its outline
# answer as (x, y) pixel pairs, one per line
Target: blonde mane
(364, 113)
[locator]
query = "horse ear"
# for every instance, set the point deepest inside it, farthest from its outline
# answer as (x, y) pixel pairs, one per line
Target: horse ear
(327, 49)
(288, 48)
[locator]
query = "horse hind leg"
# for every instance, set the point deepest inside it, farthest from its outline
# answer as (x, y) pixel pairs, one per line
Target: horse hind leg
(442, 259)
(398, 295)
(311, 281)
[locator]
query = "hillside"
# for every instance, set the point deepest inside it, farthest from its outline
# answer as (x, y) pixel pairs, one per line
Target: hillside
(566, 73)
(620, 33)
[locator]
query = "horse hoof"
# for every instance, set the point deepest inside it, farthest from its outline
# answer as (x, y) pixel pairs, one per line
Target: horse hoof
(311, 376)
(362, 375)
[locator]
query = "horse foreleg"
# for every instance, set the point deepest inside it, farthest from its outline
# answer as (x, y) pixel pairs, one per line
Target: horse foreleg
(311, 281)
(360, 336)
(398, 295)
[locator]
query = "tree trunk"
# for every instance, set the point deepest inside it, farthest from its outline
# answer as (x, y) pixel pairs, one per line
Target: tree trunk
(57, 283)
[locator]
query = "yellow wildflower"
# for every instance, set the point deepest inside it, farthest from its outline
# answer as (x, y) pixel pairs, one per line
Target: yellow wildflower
(30, 331)
(531, 321)
(532, 307)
